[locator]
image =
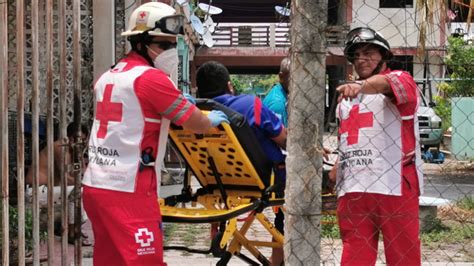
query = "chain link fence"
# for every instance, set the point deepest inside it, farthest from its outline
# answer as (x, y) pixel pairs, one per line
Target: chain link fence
(433, 42)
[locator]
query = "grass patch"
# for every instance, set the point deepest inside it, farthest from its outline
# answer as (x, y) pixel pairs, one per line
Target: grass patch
(190, 235)
(458, 233)
(454, 224)
(466, 203)
(433, 225)
(169, 230)
(185, 234)
(329, 227)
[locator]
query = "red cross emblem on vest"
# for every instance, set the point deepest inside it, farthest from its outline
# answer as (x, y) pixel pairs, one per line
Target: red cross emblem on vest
(107, 111)
(355, 122)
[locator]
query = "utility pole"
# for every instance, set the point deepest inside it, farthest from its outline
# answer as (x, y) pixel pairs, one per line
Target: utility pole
(306, 124)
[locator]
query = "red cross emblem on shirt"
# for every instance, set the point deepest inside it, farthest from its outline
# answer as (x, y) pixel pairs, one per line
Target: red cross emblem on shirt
(107, 111)
(355, 122)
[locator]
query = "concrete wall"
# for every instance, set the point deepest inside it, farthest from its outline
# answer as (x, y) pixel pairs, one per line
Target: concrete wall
(104, 36)
(462, 118)
(400, 26)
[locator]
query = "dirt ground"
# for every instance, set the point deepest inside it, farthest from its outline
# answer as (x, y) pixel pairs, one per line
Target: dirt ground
(198, 237)
(450, 167)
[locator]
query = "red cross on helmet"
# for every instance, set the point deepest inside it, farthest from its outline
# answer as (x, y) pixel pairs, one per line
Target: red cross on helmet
(363, 35)
(156, 19)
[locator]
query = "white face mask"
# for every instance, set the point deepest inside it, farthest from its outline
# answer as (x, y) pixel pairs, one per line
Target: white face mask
(167, 61)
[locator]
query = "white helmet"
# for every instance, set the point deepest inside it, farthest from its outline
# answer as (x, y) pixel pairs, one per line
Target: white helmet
(155, 18)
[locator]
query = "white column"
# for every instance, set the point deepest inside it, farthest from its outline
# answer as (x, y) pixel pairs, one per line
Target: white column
(104, 35)
(272, 35)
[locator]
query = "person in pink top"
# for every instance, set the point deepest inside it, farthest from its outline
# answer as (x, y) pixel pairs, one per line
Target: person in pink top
(378, 177)
(135, 102)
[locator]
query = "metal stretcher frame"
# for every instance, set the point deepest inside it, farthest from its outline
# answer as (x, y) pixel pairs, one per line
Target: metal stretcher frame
(235, 178)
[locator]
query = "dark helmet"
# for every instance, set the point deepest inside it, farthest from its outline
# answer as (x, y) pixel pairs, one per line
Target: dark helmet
(363, 35)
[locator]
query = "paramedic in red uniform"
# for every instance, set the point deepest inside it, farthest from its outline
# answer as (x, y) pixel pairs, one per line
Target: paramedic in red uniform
(378, 172)
(134, 103)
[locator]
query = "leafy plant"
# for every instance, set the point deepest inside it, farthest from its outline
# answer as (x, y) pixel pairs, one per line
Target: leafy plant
(329, 227)
(443, 108)
(251, 84)
(237, 84)
(459, 61)
(13, 229)
(434, 225)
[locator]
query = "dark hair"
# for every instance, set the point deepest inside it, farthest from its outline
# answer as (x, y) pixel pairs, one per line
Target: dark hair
(211, 79)
(386, 54)
(71, 127)
(143, 39)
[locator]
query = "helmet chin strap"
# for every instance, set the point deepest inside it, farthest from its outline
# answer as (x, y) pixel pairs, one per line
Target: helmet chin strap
(378, 68)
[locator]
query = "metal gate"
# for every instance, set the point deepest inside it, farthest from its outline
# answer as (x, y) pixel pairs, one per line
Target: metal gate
(46, 83)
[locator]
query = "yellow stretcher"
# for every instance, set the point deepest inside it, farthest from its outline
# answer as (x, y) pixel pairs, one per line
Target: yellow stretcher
(236, 180)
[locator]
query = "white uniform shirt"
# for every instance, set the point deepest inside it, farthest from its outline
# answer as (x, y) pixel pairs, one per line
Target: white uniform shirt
(371, 156)
(114, 150)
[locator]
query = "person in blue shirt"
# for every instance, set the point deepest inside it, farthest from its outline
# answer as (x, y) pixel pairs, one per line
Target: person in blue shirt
(213, 82)
(277, 98)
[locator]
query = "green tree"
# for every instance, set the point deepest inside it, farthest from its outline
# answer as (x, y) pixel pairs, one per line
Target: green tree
(250, 84)
(266, 82)
(459, 60)
(237, 84)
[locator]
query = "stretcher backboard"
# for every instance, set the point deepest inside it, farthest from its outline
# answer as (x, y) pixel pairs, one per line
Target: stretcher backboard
(232, 148)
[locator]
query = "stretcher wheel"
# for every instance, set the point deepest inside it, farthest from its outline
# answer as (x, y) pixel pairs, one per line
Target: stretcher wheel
(224, 259)
(216, 250)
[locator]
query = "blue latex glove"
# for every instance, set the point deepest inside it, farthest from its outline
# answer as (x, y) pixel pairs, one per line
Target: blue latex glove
(190, 98)
(216, 117)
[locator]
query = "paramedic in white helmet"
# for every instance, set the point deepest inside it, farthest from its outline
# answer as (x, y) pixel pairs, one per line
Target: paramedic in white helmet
(135, 102)
(378, 173)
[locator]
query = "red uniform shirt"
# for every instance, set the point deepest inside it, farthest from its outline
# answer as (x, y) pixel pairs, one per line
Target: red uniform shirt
(158, 98)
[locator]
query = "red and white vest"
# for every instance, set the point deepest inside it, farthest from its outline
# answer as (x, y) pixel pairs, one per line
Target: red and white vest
(117, 132)
(370, 146)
